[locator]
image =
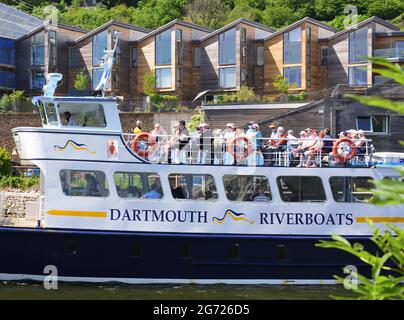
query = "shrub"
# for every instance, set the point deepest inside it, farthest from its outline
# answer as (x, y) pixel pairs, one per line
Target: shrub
(280, 83)
(8, 101)
(302, 96)
(81, 81)
(22, 183)
(196, 119)
(5, 162)
(149, 84)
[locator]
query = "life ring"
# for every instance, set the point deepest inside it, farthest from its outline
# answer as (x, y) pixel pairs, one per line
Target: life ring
(233, 146)
(344, 149)
(142, 144)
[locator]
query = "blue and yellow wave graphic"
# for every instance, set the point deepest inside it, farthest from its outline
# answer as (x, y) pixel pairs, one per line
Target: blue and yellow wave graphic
(233, 215)
(76, 146)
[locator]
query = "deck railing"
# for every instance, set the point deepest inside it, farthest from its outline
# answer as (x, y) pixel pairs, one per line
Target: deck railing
(244, 150)
(390, 53)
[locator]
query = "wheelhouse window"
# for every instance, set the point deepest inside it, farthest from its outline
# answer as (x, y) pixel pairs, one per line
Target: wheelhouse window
(358, 76)
(79, 115)
(301, 189)
(227, 47)
(376, 123)
(259, 56)
(84, 183)
(143, 185)
(38, 49)
(197, 56)
(163, 78)
(52, 48)
(134, 57)
(37, 79)
(247, 188)
(358, 45)
(292, 46)
(100, 43)
(294, 76)
(193, 186)
(227, 77)
(351, 189)
(163, 48)
(97, 75)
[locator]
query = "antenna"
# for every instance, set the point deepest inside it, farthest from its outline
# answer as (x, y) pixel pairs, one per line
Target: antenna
(52, 84)
(108, 62)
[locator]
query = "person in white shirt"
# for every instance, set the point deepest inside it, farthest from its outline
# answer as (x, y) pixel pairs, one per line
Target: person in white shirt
(70, 120)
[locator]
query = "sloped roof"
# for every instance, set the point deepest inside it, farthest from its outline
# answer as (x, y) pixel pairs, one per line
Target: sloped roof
(59, 25)
(15, 23)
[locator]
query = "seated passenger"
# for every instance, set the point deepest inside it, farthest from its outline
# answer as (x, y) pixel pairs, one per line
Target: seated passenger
(134, 192)
(69, 119)
(93, 187)
(178, 193)
(261, 197)
(314, 149)
(153, 193)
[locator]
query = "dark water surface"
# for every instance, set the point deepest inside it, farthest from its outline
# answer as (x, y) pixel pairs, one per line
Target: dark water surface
(13, 290)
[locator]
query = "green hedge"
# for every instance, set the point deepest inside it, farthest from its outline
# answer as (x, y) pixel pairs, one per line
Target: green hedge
(22, 183)
(5, 162)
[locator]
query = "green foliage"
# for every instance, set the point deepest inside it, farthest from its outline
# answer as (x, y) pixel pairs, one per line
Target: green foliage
(8, 102)
(281, 84)
(245, 94)
(81, 81)
(278, 15)
(302, 96)
(385, 9)
(149, 83)
(208, 13)
(196, 119)
(22, 183)
(338, 22)
(399, 21)
(5, 162)
(243, 9)
(381, 286)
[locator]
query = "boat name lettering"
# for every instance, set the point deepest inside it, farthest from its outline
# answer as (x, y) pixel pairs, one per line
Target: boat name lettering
(138, 215)
(306, 218)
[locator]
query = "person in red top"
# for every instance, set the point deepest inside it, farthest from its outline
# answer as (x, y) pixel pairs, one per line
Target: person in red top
(278, 143)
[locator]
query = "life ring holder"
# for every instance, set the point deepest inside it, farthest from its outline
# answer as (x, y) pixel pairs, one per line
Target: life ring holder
(142, 144)
(231, 148)
(344, 149)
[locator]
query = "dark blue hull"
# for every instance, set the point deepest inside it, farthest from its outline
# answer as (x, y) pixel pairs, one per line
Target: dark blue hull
(177, 258)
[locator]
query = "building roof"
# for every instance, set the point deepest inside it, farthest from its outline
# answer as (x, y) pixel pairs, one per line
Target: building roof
(47, 23)
(234, 23)
(15, 23)
(110, 23)
(174, 22)
(364, 23)
(297, 23)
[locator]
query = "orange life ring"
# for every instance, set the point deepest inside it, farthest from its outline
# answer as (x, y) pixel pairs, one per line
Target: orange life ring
(142, 143)
(232, 148)
(344, 149)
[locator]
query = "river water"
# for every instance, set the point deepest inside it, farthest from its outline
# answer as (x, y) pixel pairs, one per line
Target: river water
(29, 291)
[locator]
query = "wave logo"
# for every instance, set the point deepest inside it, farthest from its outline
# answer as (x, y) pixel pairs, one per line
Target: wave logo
(76, 146)
(234, 216)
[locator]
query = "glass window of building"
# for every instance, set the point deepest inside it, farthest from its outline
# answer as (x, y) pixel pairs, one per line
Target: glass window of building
(178, 77)
(97, 74)
(52, 48)
(358, 45)
(301, 189)
(227, 47)
(376, 123)
(37, 79)
(294, 76)
(144, 185)
(38, 49)
(351, 189)
(292, 46)
(163, 48)
(197, 56)
(7, 51)
(308, 44)
(84, 183)
(358, 76)
(193, 186)
(134, 57)
(308, 77)
(74, 114)
(259, 56)
(74, 57)
(7, 79)
(247, 188)
(100, 43)
(179, 46)
(324, 55)
(227, 77)
(163, 78)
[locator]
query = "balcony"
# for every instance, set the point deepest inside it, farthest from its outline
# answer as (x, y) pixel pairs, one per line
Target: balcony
(390, 53)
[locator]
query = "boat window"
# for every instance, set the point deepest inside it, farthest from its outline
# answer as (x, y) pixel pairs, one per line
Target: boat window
(247, 188)
(351, 189)
(82, 115)
(51, 114)
(193, 186)
(41, 109)
(84, 183)
(144, 185)
(301, 189)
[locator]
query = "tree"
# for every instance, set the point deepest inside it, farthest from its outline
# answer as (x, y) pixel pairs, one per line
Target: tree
(208, 13)
(338, 22)
(149, 83)
(279, 15)
(243, 9)
(385, 9)
(81, 81)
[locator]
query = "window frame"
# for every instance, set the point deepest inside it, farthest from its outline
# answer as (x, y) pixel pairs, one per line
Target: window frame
(159, 70)
(35, 71)
(286, 47)
(301, 202)
(349, 202)
(221, 36)
(386, 122)
(298, 85)
(158, 46)
(34, 45)
(133, 62)
(256, 55)
(194, 55)
(352, 38)
(221, 70)
(140, 174)
(324, 57)
(52, 60)
(204, 175)
(261, 176)
(108, 190)
(95, 39)
(351, 75)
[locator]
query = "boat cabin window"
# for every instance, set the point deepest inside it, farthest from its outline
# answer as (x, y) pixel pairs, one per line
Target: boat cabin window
(144, 185)
(301, 189)
(48, 113)
(84, 183)
(351, 189)
(193, 186)
(82, 115)
(247, 188)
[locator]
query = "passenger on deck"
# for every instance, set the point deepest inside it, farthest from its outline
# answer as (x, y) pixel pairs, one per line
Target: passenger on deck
(255, 137)
(158, 152)
(205, 144)
(218, 143)
(178, 152)
(228, 136)
(360, 142)
(69, 119)
(315, 148)
(139, 127)
(134, 192)
(261, 196)
(278, 143)
(153, 193)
